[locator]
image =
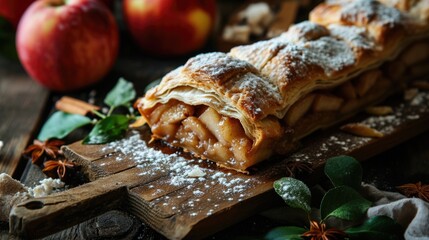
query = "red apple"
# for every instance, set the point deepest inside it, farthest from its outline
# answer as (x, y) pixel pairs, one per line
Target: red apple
(170, 27)
(12, 10)
(67, 44)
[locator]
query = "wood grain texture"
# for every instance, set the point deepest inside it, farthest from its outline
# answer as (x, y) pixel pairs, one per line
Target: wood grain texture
(195, 209)
(21, 107)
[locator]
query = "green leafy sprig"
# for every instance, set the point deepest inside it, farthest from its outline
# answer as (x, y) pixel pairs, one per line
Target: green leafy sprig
(342, 202)
(107, 127)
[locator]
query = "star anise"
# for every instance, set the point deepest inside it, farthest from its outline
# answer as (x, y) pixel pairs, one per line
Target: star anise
(415, 190)
(294, 167)
(48, 147)
(61, 166)
(318, 231)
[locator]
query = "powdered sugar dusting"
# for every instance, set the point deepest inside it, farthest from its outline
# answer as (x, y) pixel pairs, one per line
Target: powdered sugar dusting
(216, 65)
(46, 187)
(304, 31)
(328, 53)
(331, 54)
(366, 11)
(259, 53)
(254, 93)
(182, 173)
(355, 36)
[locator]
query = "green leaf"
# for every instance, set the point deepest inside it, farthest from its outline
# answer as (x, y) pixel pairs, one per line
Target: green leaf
(377, 228)
(285, 233)
(108, 129)
(345, 203)
(122, 94)
(294, 192)
(60, 124)
(344, 170)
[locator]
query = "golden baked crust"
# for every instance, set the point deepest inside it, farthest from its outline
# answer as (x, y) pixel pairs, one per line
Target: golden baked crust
(258, 84)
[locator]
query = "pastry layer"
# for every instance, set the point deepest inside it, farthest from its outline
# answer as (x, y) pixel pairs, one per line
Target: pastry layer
(238, 109)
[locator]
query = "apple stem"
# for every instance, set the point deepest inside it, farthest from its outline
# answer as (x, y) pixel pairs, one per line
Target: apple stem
(57, 3)
(102, 116)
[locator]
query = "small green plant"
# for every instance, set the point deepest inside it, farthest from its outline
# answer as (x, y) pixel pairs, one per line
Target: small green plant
(343, 202)
(107, 127)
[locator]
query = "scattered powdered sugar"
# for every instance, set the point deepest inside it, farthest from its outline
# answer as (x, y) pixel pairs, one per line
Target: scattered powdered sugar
(196, 172)
(198, 193)
(46, 187)
(420, 98)
(181, 172)
(386, 124)
(383, 124)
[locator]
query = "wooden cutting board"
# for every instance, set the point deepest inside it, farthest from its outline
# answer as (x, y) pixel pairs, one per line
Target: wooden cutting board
(154, 182)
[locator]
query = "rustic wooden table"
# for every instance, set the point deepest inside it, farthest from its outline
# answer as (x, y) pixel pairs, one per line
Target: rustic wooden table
(24, 106)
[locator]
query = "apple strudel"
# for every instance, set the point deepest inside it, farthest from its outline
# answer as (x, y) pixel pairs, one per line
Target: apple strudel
(241, 107)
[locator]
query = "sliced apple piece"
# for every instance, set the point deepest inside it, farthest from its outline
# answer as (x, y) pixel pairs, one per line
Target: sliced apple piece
(210, 118)
(325, 102)
(176, 113)
(347, 90)
(156, 114)
(366, 81)
(165, 130)
(240, 147)
(188, 139)
(229, 129)
(298, 109)
(219, 151)
(193, 124)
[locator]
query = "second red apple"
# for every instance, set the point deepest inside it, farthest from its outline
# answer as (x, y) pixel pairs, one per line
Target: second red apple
(170, 27)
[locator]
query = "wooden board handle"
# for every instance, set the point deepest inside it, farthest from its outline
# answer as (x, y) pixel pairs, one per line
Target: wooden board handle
(40, 217)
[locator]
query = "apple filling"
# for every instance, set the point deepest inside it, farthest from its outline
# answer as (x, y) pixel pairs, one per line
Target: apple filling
(324, 107)
(202, 131)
